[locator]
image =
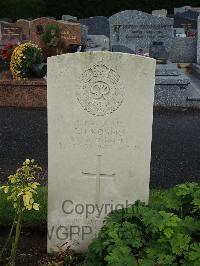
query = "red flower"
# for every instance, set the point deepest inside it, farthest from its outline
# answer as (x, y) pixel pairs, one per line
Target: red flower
(4, 56)
(7, 51)
(9, 45)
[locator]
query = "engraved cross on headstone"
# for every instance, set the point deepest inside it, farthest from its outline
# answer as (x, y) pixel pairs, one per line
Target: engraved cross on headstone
(98, 175)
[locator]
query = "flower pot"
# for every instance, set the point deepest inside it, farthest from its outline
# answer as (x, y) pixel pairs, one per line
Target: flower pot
(39, 70)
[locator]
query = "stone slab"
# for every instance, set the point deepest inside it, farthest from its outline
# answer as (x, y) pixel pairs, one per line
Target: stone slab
(168, 69)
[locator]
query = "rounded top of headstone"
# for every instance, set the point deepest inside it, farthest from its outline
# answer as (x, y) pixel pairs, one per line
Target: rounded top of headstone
(135, 17)
(69, 18)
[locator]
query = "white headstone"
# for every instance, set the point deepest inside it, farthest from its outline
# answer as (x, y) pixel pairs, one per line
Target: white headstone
(198, 42)
(100, 112)
(160, 12)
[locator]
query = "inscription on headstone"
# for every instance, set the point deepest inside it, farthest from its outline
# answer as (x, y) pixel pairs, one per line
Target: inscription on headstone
(137, 30)
(10, 33)
(99, 130)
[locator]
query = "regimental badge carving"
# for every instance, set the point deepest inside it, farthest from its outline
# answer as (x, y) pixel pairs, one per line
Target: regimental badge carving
(100, 92)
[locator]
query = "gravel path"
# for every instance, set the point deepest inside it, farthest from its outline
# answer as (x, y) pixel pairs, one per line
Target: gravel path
(175, 144)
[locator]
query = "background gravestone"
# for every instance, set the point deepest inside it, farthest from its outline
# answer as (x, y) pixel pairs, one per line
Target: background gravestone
(68, 18)
(99, 135)
(122, 49)
(187, 19)
(97, 25)
(84, 34)
(6, 20)
(70, 32)
(184, 50)
(98, 43)
(181, 9)
(160, 12)
(10, 33)
(25, 26)
(137, 30)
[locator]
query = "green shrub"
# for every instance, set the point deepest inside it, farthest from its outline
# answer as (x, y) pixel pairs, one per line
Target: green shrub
(161, 234)
(51, 31)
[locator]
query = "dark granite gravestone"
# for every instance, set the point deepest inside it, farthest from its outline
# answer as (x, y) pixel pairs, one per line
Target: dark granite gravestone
(122, 49)
(157, 51)
(137, 30)
(184, 50)
(187, 19)
(97, 25)
(97, 43)
(84, 34)
(181, 9)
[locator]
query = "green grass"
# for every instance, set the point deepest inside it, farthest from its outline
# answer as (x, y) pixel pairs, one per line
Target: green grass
(37, 218)
(31, 218)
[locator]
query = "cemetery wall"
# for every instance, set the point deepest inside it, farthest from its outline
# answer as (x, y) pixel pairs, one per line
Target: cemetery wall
(26, 93)
(184, 50)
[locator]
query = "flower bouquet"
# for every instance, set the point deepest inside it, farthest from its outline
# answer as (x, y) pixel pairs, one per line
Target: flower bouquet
(5, 56)
(23, 58)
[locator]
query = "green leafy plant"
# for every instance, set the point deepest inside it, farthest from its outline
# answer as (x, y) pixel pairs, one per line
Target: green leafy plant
(51, 35)
(161, 234)
(184, 200)
(21, 189)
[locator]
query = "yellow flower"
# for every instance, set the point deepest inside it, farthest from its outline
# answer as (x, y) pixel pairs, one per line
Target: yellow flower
(26, 198)
(36, 206)
(6, 189)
